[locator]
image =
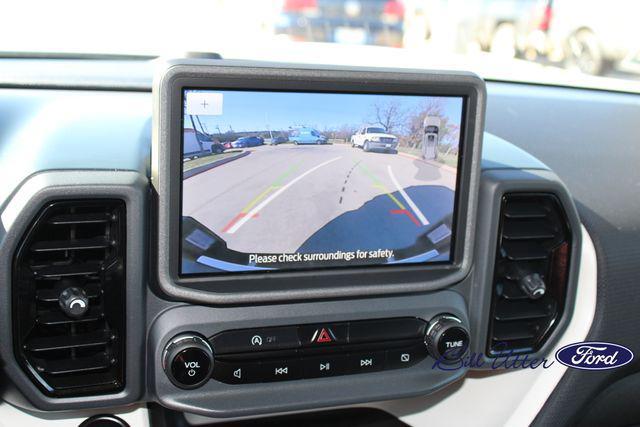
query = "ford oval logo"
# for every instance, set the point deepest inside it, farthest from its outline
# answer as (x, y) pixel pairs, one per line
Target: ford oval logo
(594, 355)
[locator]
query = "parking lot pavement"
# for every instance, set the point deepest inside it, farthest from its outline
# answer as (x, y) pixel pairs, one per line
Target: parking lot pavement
(289, 198)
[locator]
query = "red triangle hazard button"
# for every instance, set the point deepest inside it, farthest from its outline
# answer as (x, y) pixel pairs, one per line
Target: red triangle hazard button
(324, 336)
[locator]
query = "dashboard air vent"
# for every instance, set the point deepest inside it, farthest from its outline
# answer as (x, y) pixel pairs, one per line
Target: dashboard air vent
(530, 273)
(69, 298)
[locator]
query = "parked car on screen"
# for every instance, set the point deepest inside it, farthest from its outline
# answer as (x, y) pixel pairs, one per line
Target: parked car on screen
(372, 138)
(198, 144)
(247, 141)
(217, 147)
(307, 136)
(280, 139)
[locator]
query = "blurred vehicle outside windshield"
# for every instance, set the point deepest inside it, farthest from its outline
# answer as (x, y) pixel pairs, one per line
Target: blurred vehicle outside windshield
(566, 42)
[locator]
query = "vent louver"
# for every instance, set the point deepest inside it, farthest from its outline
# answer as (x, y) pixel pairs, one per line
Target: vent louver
(76, 245)
(534, 241)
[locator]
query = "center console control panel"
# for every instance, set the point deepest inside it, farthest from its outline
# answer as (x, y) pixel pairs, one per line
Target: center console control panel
(221, 362)
(318, 350)
(294, 352)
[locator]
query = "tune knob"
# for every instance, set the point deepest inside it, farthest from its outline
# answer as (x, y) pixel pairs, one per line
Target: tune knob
(74, 302)
(447, 339)
(188, 360)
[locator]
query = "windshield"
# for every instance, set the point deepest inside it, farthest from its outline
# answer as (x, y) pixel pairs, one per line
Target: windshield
(566, 42)
(375, 130)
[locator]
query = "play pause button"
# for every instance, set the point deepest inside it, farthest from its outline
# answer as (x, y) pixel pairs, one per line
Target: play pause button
(316, 367)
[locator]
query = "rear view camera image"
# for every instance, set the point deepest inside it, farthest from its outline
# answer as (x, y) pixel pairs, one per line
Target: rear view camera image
(296, 180)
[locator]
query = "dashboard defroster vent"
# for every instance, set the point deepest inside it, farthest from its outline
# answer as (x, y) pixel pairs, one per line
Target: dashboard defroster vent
(530, 273)
(68, 291)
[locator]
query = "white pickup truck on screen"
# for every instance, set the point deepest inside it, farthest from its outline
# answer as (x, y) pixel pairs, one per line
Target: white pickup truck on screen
(374, 139)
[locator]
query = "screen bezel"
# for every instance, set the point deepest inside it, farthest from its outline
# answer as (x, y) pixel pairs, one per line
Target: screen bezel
(306, 283)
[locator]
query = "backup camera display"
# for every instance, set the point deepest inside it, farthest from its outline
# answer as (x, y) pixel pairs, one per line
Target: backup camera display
(296, 180)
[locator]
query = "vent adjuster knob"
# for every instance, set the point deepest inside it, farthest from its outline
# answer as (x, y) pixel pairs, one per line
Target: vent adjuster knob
(74, 302)
(533, 285)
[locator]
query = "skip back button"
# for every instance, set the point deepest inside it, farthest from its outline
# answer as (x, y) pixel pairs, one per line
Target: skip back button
(282, 370)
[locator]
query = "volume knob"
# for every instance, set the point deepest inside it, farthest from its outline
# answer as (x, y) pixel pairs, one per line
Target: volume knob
(188, 360)
(447, 339)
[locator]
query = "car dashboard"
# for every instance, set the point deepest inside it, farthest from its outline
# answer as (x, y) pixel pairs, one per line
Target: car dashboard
(85, 226)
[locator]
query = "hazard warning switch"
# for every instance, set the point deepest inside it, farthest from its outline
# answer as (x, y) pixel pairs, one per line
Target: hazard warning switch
(323, 335)
(319, 335)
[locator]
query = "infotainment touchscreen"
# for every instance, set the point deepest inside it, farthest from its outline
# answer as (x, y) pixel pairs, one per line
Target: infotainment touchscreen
(300, 180)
